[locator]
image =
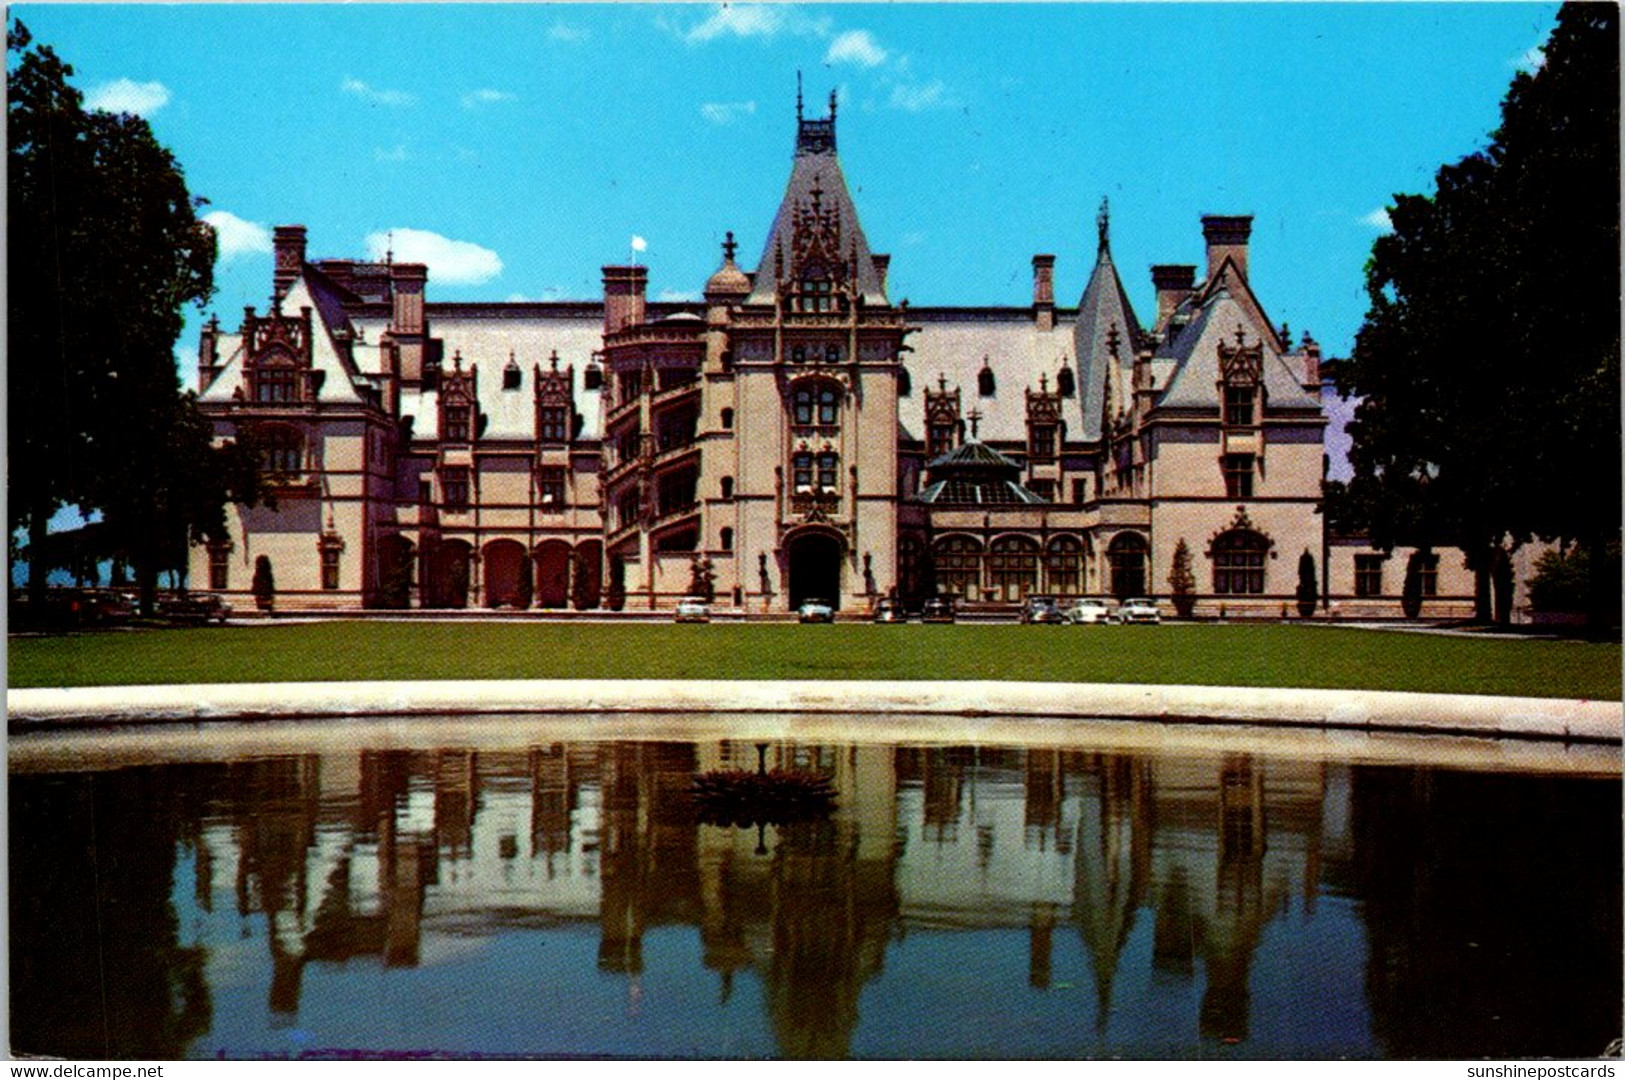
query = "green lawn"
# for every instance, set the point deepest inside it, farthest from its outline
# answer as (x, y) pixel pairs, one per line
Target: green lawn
(1232, 655)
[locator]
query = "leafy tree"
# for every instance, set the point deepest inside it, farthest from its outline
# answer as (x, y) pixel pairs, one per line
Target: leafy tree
(702, 579)
(1488, 363)
(106, 249)
(1182, 580)
(1308, 590)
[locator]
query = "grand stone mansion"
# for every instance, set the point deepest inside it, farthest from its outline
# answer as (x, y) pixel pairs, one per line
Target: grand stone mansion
(796, 433)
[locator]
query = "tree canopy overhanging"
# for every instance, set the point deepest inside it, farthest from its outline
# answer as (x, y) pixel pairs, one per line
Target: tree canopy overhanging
(105, 250)
(1487, 367)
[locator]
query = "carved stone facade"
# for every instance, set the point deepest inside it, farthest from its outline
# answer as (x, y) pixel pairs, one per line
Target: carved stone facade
(797, 429)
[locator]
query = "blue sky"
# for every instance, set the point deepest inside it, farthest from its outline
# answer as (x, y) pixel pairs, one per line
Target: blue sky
(518, 148)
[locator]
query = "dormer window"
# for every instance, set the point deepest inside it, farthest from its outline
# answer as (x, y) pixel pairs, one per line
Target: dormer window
(985, 385)
(592, 378)
(276, 385)
(1041, 442)
(1239, 402)
(456, 424)
(815, 295)
(553, 423)
(511, 376)
(1066, 383)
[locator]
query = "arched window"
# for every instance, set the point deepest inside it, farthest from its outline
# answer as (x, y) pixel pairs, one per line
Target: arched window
(1238, 563)
(727, 419)
(958, 562)
(1127, 557)
(727, 539)
(727, 487)
(985, 385)
(1013, 567)
(1065, 383)
(1064, 564)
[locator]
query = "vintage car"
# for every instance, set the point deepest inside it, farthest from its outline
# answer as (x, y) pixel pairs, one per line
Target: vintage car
(1042, 609)
(191, 607)
(1089, 612)
(890, 610)
(816, 611)
(1138, 610)
(693, 609)
(938, 609)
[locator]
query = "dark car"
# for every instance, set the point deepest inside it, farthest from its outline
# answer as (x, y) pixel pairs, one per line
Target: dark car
(938, 609)
(889, 610)
(190, 607)
(1042, 609)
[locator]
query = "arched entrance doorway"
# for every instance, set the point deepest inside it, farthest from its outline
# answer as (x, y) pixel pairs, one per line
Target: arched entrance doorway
(552, 573)
(507, 584)
(448, 575)
(1127, 555)
(815, 568)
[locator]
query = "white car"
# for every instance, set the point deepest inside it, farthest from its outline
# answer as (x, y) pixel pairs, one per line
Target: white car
(693, 609)
(1090, 612)
(817, 611)
(1138, 610)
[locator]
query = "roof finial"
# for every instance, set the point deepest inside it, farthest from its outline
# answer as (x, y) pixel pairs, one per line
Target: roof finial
(975, 418)
(798, 95)
(389, 249)
(832, 104)
(1103, 223)
(729, 247)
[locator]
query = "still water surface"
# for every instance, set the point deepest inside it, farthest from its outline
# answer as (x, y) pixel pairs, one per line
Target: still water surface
(1055, 900)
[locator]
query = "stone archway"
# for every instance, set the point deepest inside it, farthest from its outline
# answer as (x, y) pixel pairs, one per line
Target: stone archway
(505, 578)
(448, 575)
(552, 574)
(815, 568)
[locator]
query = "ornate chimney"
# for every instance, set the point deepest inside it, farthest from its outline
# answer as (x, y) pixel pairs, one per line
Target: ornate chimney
(1044, 291)
(624, 289)
(1173, 284)
(1226, 239)
(288, 243)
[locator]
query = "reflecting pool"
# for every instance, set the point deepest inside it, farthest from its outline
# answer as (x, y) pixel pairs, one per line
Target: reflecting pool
(525, 889)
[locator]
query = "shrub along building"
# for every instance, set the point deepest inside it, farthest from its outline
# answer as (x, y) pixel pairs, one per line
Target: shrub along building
(795, 434)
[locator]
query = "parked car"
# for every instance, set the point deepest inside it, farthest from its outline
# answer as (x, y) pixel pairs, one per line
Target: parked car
(1089, 612)
(693, 609)
(190, 607)
(938, 609)
(1138, 610)
(889, 610)
(1042, 609)
(816, 611)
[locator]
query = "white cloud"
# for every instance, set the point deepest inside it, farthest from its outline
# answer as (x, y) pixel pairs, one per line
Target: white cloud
(920, 97)
(726, 112)
(237, 237)
(454, 262)
(855, 47)
(392, 98)
(128, 96)
(393, 153)
(1531, 61)
(475, 98)
(756, 20)
(1378, 219)
(565, 32)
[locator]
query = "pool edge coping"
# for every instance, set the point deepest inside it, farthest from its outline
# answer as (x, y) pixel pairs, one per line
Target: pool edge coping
(42, 709)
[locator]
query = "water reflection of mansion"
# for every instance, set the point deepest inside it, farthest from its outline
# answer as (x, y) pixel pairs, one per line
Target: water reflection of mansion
(386, 856)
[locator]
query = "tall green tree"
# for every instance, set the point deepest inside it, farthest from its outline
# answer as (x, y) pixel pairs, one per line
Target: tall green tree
(105, 250)
(1488, 363)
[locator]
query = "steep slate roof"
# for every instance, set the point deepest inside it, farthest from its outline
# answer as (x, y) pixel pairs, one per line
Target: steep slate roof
(531, 338)
(1195, 358)
(815, 166)
(952, 343)
(1104, 305)
(339, 383)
